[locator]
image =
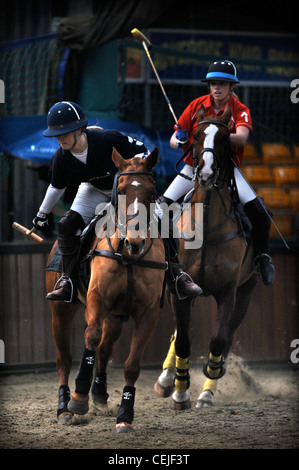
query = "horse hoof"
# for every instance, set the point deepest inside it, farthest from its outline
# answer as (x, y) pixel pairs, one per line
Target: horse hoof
(78, 404)
(124, 428)
(64, 418)
(181, 401)
(205, 399)
(163, 392)
(180, 406)
(164, 385)
(104, 410)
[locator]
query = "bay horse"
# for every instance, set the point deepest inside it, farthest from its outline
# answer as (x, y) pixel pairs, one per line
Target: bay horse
(222, 266)
(127, 274)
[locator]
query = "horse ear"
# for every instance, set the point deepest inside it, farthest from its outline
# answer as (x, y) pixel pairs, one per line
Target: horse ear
(226, 114)
(152, 159)
(200, 114)
(117, 159)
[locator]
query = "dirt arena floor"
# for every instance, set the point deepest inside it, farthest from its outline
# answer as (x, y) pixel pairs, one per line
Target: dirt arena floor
(255, 408)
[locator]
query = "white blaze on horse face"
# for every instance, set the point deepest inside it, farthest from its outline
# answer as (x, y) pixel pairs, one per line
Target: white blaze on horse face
(208, 157)
(136, 183)
(135, 203)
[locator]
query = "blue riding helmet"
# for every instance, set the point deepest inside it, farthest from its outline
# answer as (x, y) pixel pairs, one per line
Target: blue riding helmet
(64, 117)
(222, 70)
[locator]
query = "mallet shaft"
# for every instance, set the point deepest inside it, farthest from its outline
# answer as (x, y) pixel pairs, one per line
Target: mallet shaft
(147, 45)
(27, 232)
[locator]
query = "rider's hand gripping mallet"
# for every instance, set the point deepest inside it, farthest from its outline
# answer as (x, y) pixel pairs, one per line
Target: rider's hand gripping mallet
(27, 232)
(147, 45)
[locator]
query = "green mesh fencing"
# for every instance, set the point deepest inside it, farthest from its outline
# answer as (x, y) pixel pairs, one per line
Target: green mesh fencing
(29, 69)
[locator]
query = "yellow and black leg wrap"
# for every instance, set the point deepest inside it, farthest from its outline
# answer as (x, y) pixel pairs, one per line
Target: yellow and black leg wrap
(214, 369)
(182, 377)
(169, 362)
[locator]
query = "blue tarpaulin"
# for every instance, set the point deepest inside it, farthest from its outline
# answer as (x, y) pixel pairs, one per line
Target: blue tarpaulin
(22, 137)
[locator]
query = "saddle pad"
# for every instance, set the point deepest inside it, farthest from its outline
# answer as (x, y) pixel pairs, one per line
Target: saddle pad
(55, 263)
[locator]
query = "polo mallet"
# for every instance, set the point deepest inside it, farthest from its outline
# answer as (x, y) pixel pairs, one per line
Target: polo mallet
(147, 45)
(27, 232)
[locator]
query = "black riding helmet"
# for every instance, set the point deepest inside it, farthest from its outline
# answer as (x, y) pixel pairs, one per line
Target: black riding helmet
(222, 70)
(64, 117)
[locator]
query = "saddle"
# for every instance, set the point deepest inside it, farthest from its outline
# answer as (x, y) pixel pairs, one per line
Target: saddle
(82, 262)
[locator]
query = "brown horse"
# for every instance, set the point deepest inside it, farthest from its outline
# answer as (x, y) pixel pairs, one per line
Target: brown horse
(126, 279)
(222, 266)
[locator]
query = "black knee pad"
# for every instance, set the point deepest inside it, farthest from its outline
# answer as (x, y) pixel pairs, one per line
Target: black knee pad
(69, 223)
(67, 228)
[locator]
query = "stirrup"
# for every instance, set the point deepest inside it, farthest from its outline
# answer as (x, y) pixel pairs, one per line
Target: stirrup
(255, 263)
(189, 278)
(267, 271)
(67, 279)
(178, 277)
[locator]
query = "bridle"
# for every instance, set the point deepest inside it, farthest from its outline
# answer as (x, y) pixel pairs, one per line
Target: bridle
(196, 158)
(115, 192)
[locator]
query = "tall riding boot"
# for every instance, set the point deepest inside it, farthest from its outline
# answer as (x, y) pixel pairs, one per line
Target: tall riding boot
(179, 282)
(65, 288)
(261, 225)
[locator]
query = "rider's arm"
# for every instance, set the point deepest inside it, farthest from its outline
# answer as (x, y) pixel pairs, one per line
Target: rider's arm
(173, 141)
(239, 138)
(51, 198)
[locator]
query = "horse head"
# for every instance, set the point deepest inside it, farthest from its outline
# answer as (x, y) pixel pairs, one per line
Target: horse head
(135, 191)
(211, 143)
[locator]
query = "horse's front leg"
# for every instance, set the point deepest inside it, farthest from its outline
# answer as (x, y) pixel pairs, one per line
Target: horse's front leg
(144, 325)
(111, 330)
(214, 369)
(79, 401)
(181, 396)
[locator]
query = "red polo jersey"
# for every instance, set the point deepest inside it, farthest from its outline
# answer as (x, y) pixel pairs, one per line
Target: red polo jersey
(240, 117)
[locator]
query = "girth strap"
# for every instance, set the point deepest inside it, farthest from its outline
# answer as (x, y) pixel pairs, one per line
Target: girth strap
(128, 261)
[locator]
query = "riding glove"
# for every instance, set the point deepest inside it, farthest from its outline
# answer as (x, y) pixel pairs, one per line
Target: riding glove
(181, 138)
(40, 222)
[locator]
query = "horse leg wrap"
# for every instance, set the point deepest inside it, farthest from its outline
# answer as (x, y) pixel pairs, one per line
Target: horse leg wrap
(210, 385)
(182, 377)
(64, 396)
(214, 368)
(126, 409)
(84, 376)
(169, 362)
(99, 388)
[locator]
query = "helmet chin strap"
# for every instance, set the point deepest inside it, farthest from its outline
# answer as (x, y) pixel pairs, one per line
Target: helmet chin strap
(76, 139)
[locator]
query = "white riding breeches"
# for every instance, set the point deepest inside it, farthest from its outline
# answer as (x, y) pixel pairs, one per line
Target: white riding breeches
(87, 199)
(181, 186)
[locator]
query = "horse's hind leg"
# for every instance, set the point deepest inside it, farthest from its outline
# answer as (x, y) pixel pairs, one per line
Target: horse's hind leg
(62, 316)
(165, 383)
(181, 396)
(243, 297)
